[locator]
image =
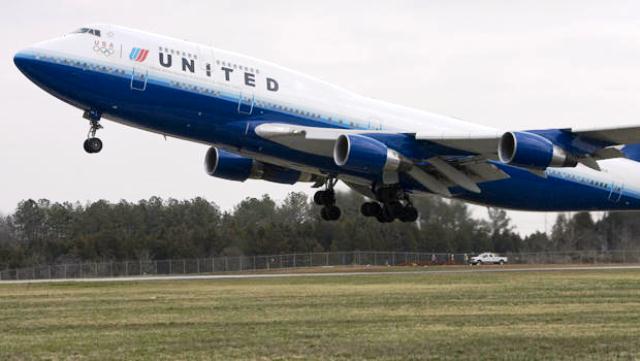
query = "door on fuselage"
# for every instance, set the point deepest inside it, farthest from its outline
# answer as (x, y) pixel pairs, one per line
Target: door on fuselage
(245, 103)
(616, 191)
(139, 79)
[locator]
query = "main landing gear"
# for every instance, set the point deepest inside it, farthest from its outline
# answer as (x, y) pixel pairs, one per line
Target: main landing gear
(92, 144)
(394, 204)
(327, 199)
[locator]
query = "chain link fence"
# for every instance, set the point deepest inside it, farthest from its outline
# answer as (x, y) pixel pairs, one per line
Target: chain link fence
(297, 260)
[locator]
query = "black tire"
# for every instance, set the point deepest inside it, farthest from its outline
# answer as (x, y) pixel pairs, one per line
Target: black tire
(395, 209)
(318, 198)
(370, 209)
(94, 145)
(334, 213)
(365, 209)
(324, 214)
(384, 216)
(409, 214)
(86, 146)
(330, 213)
(501, 263)
(324, 198)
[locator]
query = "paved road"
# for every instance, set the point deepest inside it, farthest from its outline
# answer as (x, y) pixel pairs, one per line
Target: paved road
(338, 274)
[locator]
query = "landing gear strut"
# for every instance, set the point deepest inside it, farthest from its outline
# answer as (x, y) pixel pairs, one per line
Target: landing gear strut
(327, 199)
(92, 144)
(394, 204)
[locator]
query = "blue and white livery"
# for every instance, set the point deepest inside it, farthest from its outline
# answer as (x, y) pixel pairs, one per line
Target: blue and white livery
(264, 121)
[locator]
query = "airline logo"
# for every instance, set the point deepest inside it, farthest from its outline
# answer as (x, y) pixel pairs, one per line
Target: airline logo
(138, 54)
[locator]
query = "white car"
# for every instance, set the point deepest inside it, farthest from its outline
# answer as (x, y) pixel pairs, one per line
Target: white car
(487, 258)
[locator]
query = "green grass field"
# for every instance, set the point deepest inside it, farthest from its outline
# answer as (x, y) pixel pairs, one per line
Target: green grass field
(576, 315)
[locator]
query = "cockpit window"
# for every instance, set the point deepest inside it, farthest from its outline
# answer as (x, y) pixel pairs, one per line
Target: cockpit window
(95, 32)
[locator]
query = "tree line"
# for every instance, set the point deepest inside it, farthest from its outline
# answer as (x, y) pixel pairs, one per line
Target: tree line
(43, 232)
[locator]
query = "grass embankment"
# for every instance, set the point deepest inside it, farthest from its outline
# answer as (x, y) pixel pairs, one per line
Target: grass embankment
(577, 315)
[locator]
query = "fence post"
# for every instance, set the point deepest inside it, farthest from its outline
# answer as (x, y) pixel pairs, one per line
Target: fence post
(213, 264)
(49, 271)
(198, 264)
(254, 262)
(225, 263)
(184, 266)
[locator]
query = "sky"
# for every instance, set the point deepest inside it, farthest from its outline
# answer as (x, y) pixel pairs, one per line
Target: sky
(507, 64)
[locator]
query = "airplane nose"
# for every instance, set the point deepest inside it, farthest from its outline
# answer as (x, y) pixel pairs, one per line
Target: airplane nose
(22, 62)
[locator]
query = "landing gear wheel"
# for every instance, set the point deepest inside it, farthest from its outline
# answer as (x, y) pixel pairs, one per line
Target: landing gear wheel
(327, 199)
(395, 209)
(370, 209)
(92, 145)
(324, 198)
(384, 217)
(324, 214)
(330, 213)
(409, 214)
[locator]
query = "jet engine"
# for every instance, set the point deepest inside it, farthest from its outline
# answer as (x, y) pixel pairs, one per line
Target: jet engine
(222, 164)
(531, 150)
(364, 154)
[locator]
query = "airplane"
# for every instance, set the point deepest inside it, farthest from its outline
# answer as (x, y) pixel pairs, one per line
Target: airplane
(264, 121)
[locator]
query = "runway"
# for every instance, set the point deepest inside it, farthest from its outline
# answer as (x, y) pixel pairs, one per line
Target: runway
(373, 272)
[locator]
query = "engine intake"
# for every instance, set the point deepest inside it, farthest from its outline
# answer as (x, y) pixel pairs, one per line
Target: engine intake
(222, 164)
(364, 154)
(531, 150)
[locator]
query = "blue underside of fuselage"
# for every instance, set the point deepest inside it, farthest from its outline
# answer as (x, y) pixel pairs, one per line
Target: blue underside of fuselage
(172, 108)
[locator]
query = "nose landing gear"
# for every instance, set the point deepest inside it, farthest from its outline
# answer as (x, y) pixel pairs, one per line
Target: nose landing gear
(92, 144)
(327, 199)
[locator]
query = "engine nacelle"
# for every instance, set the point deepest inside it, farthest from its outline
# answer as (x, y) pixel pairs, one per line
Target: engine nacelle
(364, 154)
(222, 164)
(531, 150)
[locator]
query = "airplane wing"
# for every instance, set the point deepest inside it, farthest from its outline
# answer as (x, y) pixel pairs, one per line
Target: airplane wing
(613, 136)
(314, 140)
(482, 144)
(436, 174)
(462, 158)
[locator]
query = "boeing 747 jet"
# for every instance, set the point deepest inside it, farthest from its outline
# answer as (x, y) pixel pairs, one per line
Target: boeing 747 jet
(264, 121)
